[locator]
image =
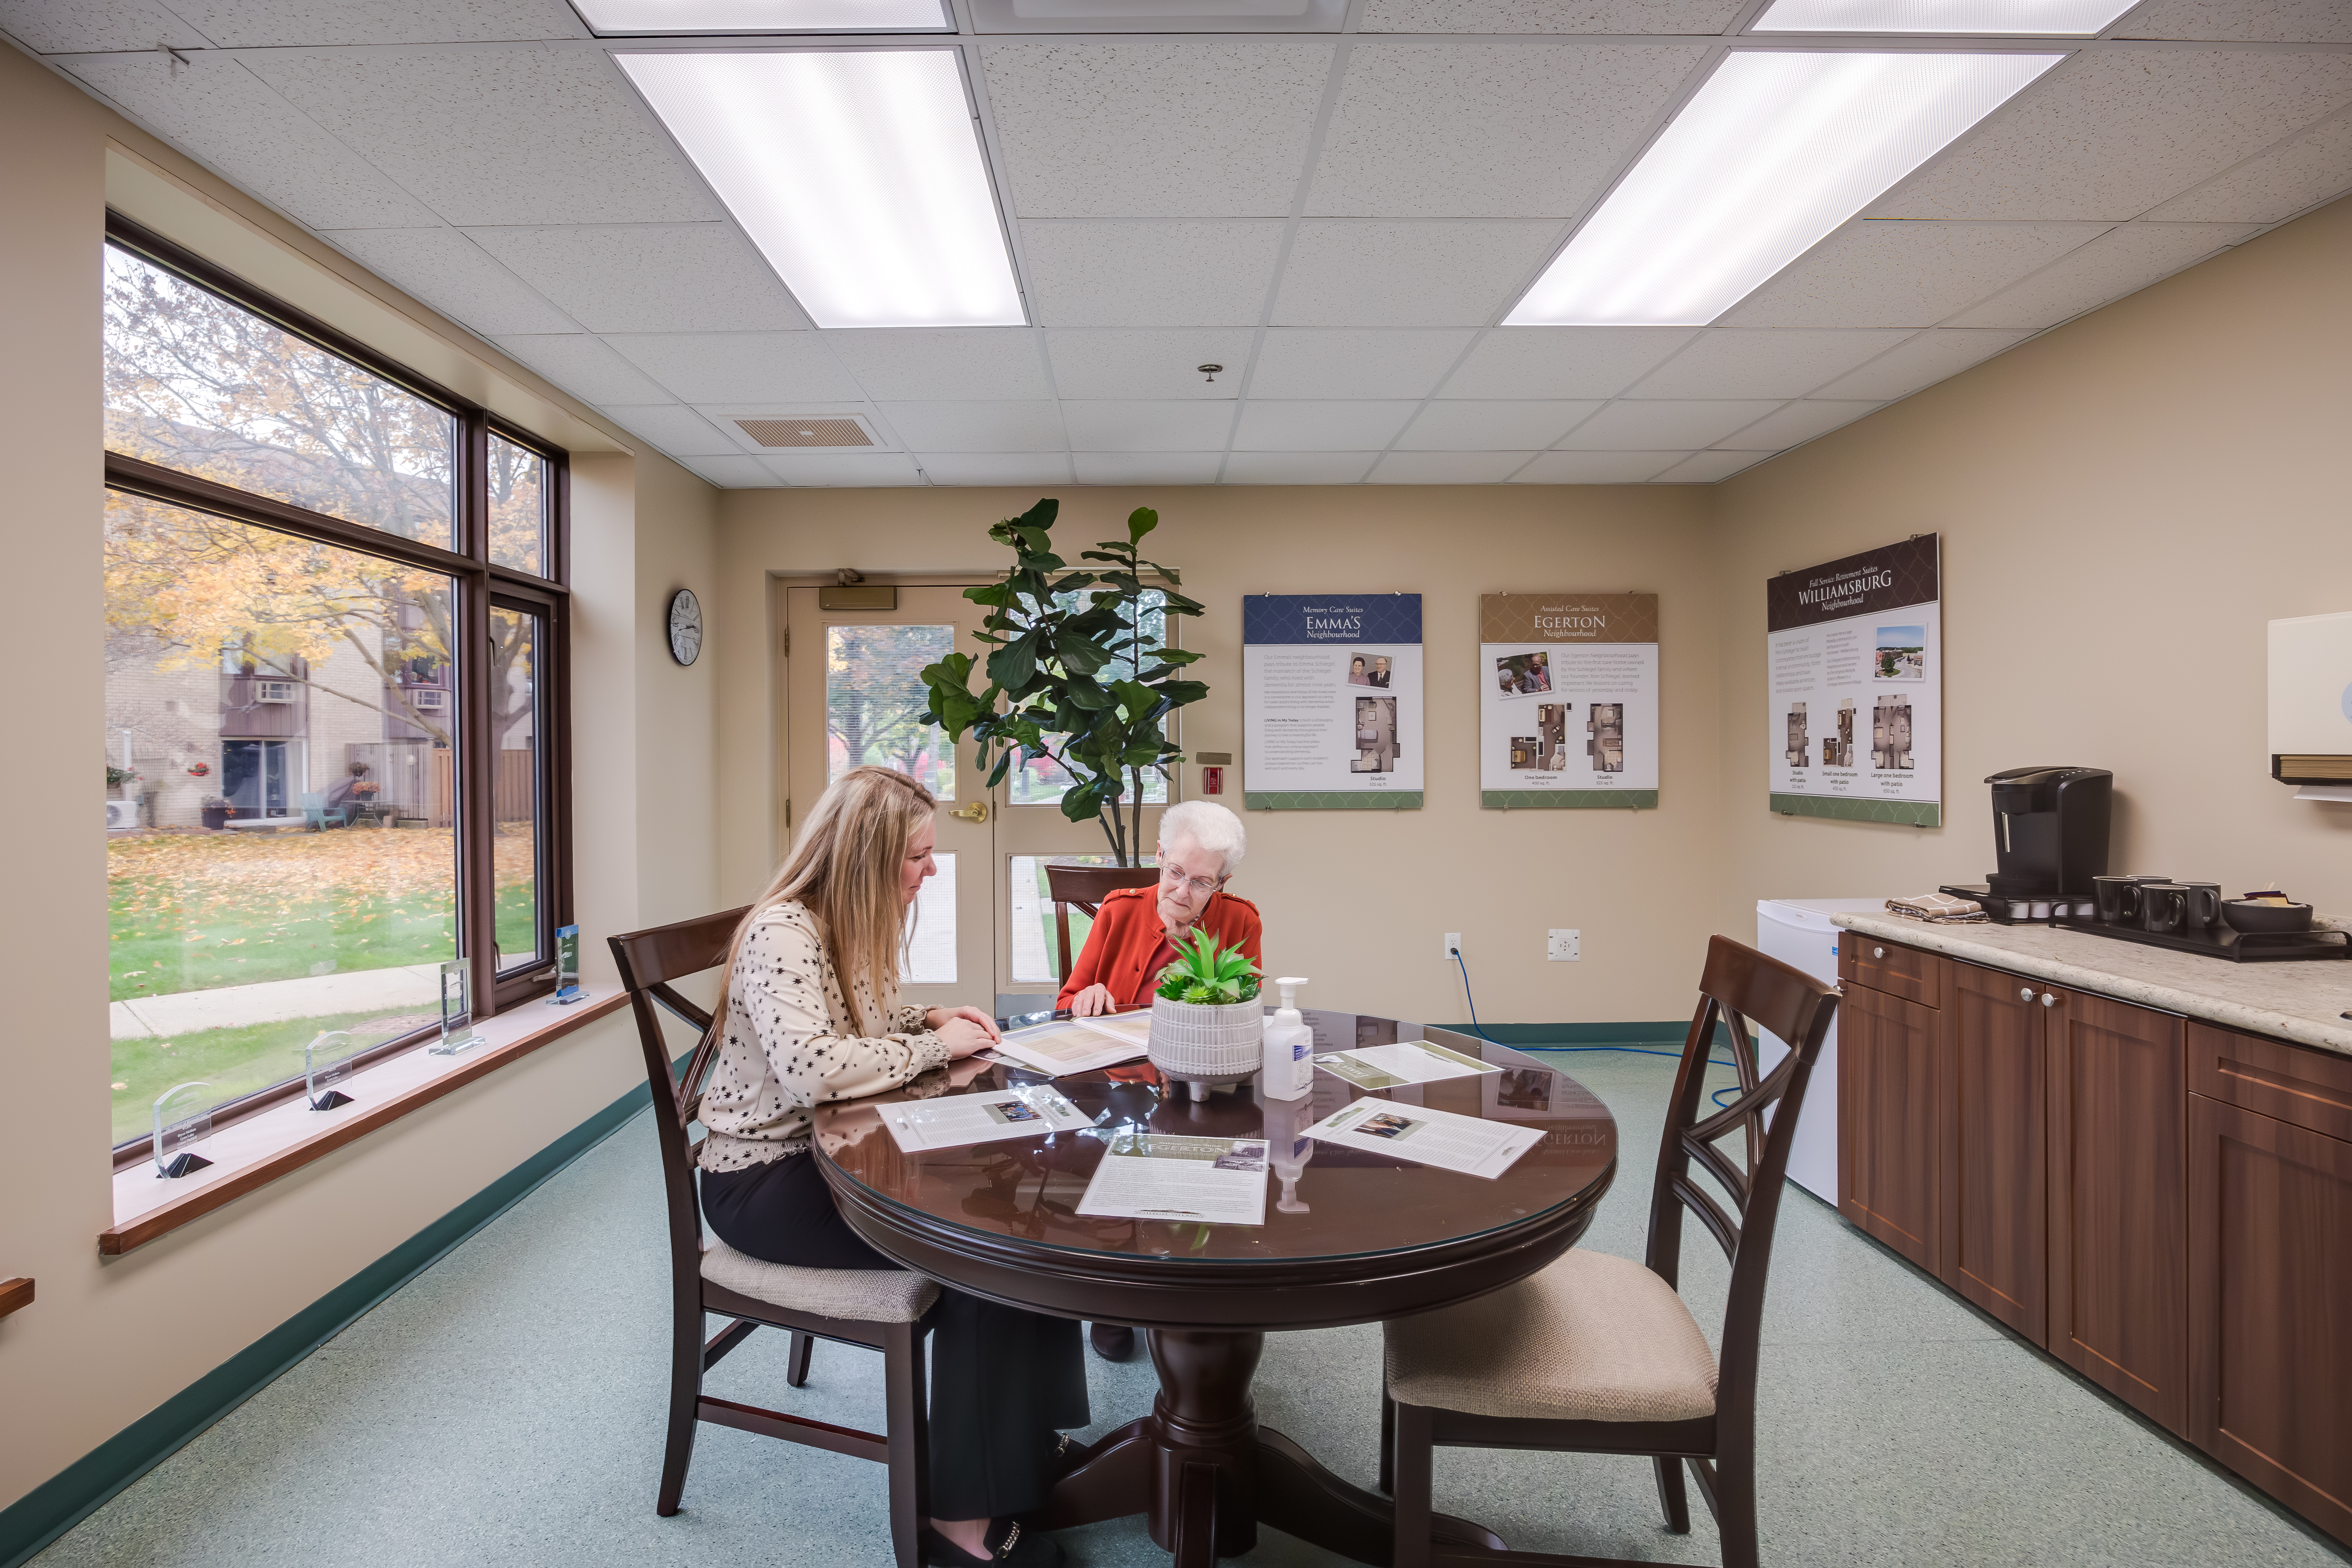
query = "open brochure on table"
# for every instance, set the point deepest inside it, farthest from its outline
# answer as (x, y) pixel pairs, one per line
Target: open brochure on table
(1159, 1175)
(955, 1120)
(1055, 1049)
(1426, 1137)
(1134, 1028)
(1407, 1061)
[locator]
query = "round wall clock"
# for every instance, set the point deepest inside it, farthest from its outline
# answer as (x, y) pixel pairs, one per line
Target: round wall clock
(684, 625)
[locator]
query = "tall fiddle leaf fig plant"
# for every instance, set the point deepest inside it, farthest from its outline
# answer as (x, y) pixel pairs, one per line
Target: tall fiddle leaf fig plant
(1076, 672)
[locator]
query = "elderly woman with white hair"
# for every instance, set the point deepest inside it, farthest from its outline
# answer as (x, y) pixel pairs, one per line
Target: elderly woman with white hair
(1136, 932)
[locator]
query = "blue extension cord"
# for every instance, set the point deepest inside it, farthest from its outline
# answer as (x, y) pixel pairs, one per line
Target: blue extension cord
(1480, 1031)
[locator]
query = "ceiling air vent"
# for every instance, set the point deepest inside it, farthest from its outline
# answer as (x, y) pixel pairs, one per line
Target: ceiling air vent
(806, 432)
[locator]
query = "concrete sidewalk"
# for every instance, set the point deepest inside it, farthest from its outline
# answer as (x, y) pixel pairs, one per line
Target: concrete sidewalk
(416, 988)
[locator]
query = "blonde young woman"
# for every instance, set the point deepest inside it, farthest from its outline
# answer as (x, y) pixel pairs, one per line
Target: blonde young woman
(812, 1018)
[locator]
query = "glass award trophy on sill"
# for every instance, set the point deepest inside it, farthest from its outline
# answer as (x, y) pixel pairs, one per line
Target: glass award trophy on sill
(457, 1011)
(567, 968)
(184, 1119)
(326, 1062)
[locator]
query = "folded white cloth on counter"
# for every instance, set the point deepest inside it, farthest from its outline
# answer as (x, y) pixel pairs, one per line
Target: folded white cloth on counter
(1938, 909)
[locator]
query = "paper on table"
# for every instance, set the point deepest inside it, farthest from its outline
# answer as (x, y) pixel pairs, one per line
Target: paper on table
(956, 1120)
(1134, 1028)
(1057, 1049)
(1407, 1061)
(1438, 1138)
(1157, 1175)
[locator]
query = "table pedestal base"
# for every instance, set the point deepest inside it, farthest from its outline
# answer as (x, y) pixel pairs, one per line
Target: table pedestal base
(1206, 1473)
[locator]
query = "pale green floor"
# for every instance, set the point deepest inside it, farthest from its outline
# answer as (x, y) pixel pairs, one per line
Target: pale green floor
(506, 1408)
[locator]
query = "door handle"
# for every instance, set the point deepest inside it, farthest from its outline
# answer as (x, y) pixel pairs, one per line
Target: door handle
(2026, 994)
(2049, 999)
(976, 812)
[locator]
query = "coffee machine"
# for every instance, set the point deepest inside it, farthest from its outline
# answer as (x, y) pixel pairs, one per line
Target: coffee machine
(2049, 838)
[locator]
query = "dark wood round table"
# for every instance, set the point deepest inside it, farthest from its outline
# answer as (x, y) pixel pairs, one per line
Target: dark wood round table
(1364, 1238)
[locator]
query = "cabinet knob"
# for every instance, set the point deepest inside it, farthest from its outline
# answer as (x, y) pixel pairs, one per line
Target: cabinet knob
(2026, 994)
(1878, 952)
(2049, 999)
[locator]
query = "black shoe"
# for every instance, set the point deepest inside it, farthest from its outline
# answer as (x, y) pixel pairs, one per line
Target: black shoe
(1009, 1541)
(1112, 1341)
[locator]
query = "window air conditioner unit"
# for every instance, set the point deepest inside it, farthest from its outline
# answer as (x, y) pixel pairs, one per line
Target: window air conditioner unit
(122, 813)
(273, 690)
(2311, 705)
(428, 698)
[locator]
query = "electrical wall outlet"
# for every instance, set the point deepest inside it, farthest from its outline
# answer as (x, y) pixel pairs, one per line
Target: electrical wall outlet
(1563, 946)
(1452, 944)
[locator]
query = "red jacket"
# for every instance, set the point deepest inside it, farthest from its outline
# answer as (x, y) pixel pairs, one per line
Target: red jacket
(1128, 934)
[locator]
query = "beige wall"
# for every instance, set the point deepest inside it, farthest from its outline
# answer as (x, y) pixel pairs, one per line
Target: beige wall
(1357, 900)
(107, 1341)
(2124, 502)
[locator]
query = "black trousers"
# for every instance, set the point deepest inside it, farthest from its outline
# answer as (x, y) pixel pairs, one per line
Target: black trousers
(1004, 1382)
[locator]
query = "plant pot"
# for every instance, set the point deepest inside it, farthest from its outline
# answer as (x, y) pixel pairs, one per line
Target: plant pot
(1195, 1043)
(216, 816)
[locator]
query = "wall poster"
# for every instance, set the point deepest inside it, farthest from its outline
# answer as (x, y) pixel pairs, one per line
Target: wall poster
(1331, 713)
(1568, 700)
(1855, 662)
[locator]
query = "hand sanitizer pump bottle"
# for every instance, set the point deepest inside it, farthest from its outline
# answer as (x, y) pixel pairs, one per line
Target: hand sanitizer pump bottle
(1290, 1047)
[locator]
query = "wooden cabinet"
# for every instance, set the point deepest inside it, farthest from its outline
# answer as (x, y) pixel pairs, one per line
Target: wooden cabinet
(1994, 1154)
(1887, 1120)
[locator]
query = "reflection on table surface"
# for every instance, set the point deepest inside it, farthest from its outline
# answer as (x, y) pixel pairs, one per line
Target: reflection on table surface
(1322, 1201)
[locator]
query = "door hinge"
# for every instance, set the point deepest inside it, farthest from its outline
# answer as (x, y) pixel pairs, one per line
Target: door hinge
(788, 642)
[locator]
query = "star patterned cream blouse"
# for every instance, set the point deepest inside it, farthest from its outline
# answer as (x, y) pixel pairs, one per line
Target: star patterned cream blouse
(791, 1044)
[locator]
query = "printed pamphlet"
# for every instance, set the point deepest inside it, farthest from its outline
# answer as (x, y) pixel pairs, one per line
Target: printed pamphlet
(1407, 1061)
(957, 1120)
(1158, 1175)
(1438, 1138)
(1055, 1049)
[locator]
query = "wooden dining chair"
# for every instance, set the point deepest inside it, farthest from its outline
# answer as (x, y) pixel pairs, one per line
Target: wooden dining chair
(1084, 887)
(881, 1309)
(1599, 1354)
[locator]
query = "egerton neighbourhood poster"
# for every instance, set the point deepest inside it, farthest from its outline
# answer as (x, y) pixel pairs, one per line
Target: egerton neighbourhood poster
(1568, 700)
(1855, 662)
(1331, 708)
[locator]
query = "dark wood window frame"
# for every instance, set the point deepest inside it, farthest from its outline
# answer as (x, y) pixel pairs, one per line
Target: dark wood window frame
(480, 585)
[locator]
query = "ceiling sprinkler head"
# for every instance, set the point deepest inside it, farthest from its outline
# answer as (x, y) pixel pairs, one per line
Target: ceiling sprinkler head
(1209, 370)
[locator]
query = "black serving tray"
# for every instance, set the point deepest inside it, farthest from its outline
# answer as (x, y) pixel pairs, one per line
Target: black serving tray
(2221, 941)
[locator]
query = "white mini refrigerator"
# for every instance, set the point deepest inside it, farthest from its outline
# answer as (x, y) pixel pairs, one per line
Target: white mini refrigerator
(1798, 932)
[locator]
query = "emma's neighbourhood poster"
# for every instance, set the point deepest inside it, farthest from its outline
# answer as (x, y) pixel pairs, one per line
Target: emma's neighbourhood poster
(1568, 703)
(1855, 655)
(1331, 705)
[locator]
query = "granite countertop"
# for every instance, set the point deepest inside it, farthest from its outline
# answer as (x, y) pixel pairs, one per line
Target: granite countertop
(2303, 1001)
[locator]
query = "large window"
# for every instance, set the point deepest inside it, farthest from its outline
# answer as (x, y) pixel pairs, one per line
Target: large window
(334, 678)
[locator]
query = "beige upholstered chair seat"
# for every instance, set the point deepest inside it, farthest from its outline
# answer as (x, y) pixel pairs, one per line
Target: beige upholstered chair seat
(1591, 1338)
(861, 1295)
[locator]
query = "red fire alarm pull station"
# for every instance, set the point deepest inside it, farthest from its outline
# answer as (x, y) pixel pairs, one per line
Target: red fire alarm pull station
(1212, 781)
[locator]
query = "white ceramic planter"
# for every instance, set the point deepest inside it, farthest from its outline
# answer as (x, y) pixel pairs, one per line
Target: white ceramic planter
(1207, 1044)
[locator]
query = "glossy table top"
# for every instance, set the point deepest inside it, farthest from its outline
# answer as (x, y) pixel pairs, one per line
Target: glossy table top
(1342, 1204)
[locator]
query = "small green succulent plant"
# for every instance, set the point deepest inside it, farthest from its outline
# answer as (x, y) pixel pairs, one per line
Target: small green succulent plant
(1209, 975)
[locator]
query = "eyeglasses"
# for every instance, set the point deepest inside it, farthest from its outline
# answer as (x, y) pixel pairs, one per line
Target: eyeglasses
(1201, 885)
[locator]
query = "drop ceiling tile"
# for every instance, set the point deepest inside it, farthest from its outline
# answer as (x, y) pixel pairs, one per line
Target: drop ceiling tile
(976, 426)
(1320, 426)
(2313, 167)
(449, 272)
(1202, 273)
(1797, 422)
(967, 363)
(731, 473)
(1148, 467)
(584, 366)
(1372, 274)
(2243, 21)
(2111, 134)
(738, 367)
(267, 24)
(1447, 468)
(1906, 274)
(1693, 16)
(1562, 361)
(648, 278)
(1708, 468)
(1207, 128)
(997, 469)
(1595, 468)
(680, 432)
(498, 136)
(1185, 426)
(2116, 263)
(1341, 362)
(851, 469)
(1627, 427)
(1104, 363)
(1920, 361)
(1737, 362)
(219, 111)
(1499, 426)
(58, 27)
(1449, 129)
(1297, 468)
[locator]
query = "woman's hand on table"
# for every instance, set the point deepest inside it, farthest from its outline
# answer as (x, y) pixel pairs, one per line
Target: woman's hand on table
(964, 1029)
(1092, 1003)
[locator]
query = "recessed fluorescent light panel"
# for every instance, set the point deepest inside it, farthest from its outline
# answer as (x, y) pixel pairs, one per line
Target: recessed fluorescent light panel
(857, 172)
(1775, 151)
(608, 16)
(2032, 19)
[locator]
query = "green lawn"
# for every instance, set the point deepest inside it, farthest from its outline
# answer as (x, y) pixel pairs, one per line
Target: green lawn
(235, 1061)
